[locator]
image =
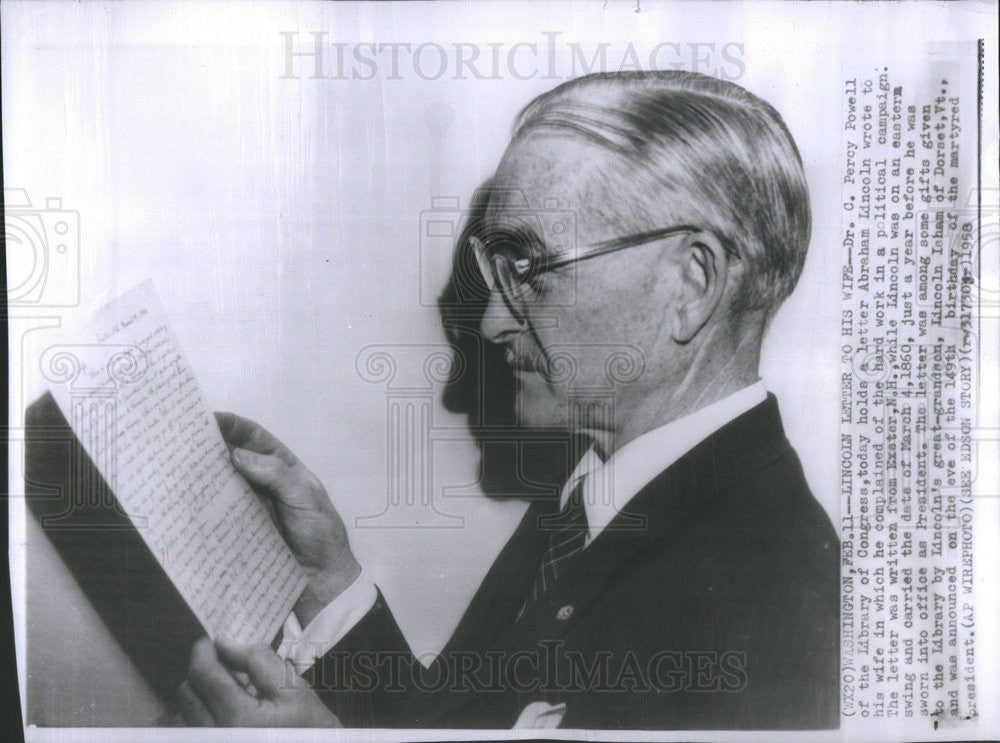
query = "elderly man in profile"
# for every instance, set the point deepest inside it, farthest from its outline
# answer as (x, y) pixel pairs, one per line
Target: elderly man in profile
(686, 577)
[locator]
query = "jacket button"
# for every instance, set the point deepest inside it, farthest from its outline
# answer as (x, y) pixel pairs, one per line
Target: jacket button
(565, 613)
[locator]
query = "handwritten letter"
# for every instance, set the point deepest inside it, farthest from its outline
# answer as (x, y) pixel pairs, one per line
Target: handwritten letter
(133, 401)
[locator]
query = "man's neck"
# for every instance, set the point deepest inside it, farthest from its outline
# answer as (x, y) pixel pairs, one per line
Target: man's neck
(697, 389)
(677, 406)
(723, 363)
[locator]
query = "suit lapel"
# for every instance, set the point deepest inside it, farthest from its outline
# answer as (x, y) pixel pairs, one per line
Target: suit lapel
(663, 507)
(666, 505)
(495, 606)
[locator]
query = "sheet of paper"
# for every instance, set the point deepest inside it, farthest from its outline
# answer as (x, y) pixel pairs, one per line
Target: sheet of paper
(134, 403)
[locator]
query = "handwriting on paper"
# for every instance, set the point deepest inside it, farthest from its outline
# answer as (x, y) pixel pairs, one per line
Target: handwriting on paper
(161, 452)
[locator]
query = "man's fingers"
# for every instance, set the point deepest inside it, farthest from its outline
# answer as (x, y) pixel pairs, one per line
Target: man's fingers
(267, 672)
(246, 434)
(266, 470)
(226, 422)
(294, 487)
(213, 684)
(194, 712)
(236, 656)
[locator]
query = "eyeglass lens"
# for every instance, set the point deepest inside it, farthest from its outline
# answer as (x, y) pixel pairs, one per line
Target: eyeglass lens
(499, 273)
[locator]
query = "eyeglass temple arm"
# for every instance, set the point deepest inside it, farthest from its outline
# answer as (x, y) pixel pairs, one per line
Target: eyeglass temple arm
(620, 243)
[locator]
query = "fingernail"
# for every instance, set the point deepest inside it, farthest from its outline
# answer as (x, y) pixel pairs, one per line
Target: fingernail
(242, 457)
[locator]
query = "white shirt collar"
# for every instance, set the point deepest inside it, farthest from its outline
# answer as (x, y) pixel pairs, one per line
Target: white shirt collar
(610, 485)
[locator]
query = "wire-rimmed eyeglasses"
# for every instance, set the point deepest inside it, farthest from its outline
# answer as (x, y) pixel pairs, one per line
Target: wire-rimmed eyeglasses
(511, 264)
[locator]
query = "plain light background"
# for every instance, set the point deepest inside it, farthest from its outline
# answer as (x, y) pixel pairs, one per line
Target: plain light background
(280, 221)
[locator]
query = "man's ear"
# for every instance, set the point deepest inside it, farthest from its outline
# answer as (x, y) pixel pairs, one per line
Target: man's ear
(702, 270)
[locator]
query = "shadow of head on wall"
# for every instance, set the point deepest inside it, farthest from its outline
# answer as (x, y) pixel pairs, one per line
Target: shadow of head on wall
(515, 461)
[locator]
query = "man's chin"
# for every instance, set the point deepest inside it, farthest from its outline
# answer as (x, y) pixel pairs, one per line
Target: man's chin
(534, 410)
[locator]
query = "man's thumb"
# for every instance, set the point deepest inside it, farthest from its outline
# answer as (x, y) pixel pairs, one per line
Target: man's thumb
(268, 673)
(260, 469)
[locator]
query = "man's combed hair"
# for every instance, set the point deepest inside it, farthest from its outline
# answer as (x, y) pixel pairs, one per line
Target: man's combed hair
(699, 150)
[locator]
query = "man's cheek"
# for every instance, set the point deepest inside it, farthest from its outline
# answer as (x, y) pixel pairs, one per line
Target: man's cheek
(540, 403)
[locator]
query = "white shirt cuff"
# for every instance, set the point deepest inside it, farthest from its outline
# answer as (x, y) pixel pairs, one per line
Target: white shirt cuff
(541, 716)
(302, 647)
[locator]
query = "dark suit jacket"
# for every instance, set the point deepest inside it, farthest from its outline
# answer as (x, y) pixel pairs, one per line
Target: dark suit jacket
(719, 612)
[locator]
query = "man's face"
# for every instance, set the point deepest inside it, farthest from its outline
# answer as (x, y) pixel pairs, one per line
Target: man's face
(588, 331)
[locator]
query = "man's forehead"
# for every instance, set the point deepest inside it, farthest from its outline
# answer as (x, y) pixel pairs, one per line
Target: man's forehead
(537, 172)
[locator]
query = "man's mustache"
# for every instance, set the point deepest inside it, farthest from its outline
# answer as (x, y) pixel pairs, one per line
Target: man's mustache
(537, 361)
(523, 361)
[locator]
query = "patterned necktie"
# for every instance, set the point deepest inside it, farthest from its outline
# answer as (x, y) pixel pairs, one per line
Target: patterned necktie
(568, 538)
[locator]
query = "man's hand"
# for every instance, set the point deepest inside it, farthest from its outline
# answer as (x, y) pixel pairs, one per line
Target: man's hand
(278, 698)
(307, 520)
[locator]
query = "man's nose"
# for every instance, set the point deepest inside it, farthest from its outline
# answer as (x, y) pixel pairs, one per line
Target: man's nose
(498, 322)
